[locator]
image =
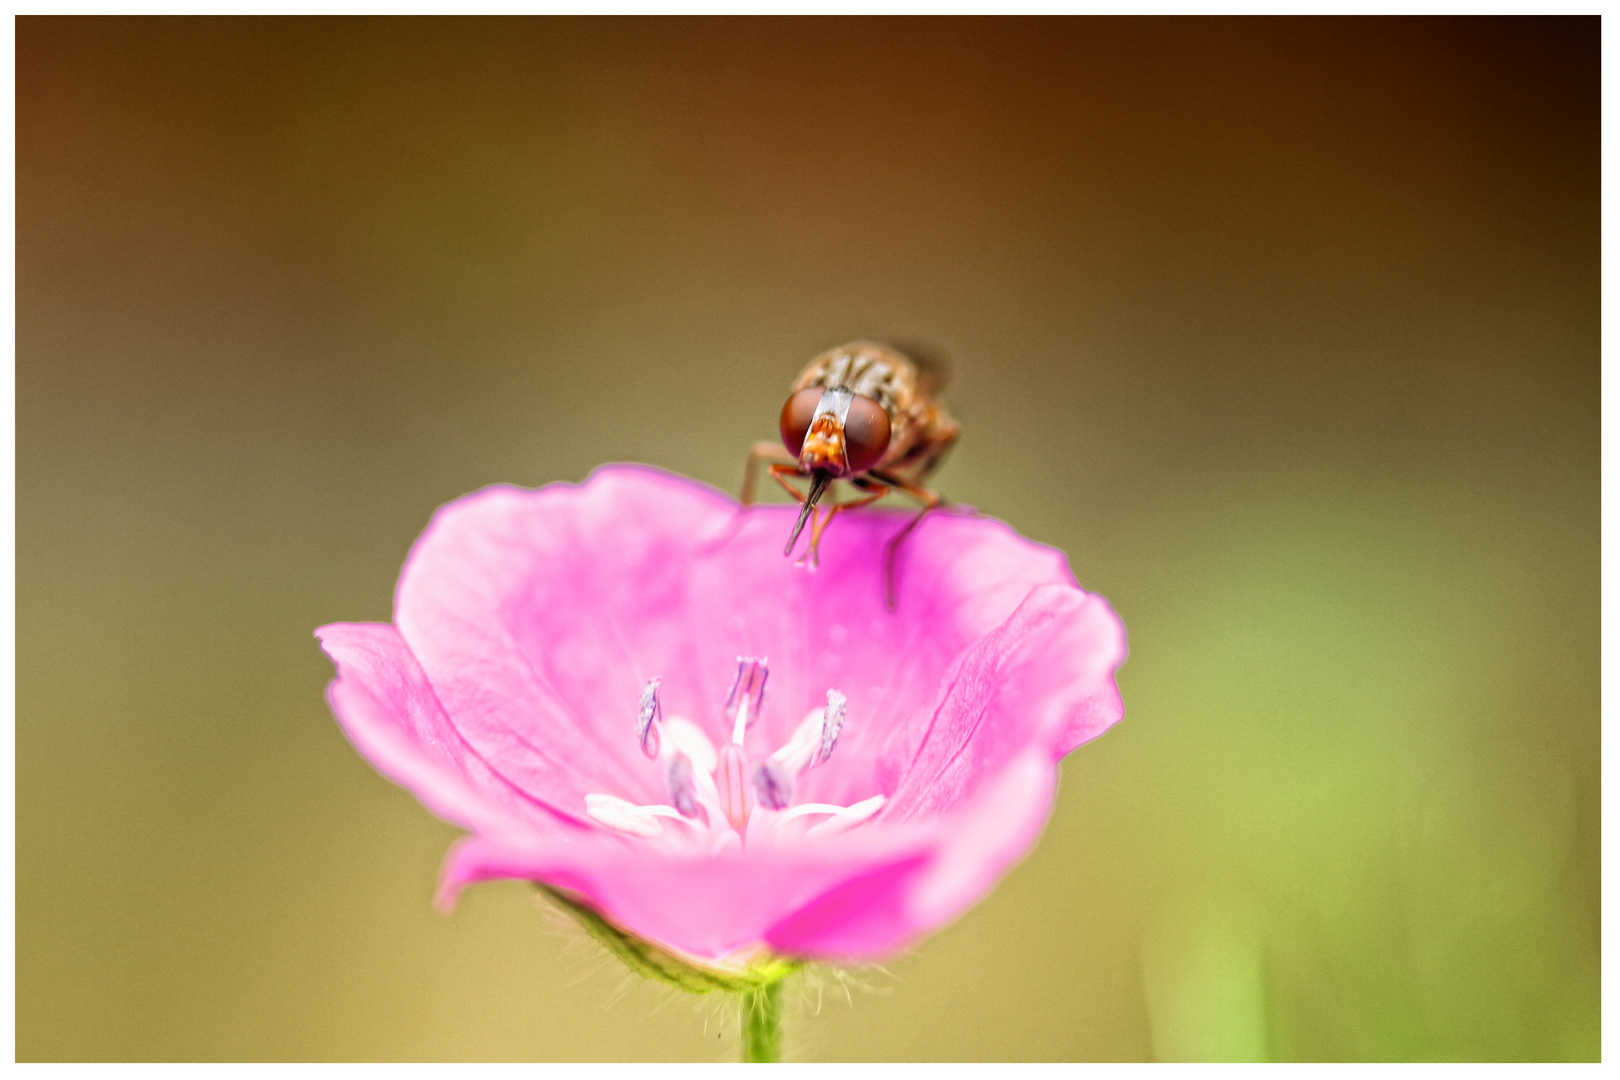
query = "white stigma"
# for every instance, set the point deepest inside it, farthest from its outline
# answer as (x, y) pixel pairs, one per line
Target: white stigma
(747, 695)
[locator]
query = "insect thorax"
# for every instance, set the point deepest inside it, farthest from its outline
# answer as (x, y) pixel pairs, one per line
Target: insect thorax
(869, 370)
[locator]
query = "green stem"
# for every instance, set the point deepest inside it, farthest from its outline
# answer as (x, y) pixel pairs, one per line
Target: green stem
(762, 1023)
(758, 985)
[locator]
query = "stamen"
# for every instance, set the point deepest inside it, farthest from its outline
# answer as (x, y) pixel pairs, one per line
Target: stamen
(620, 814)
(650, 720)
(772, 785)
(794, 756)
(682, 792)
(848, 817)
(830, 726)
(805, 808)
(747, 694)
(730, 779)
(706, 787)
(626, 816)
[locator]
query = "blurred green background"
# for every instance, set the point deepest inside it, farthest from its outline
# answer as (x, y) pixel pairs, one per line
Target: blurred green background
(1286, 331)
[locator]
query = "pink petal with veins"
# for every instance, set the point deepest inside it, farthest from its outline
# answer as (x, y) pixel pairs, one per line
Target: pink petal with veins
(529, 621)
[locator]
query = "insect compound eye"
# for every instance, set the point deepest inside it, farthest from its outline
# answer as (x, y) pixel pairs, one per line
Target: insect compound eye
(796, 416)
(866, 433)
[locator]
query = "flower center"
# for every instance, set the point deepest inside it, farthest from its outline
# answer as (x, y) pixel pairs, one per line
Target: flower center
(723, 797)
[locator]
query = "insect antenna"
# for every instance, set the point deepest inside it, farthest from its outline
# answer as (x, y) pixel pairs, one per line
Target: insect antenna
(818, 484)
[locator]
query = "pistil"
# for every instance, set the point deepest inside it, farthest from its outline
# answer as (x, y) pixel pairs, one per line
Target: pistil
(747, 694)
(733, 788)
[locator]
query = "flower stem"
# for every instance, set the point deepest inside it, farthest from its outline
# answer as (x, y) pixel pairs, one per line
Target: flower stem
(762, 1023)
(758, 984)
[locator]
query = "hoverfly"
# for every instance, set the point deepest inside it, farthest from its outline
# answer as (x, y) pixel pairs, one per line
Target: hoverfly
(865, 414)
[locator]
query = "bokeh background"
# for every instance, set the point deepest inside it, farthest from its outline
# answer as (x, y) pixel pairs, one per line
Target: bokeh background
(1286, 331)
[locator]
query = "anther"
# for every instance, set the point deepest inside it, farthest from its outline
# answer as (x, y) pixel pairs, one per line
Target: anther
(830, 726)
(747, 694)
(772, 786)
(682, 795)
(649, 720)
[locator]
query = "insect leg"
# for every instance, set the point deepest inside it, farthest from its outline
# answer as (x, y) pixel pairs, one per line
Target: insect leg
(780, 473)
(874, 492)
(809, 558)
(762, 451)
(942, 446)
(930, 500)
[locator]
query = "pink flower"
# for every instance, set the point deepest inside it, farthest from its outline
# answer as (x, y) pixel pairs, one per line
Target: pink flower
(578, 676)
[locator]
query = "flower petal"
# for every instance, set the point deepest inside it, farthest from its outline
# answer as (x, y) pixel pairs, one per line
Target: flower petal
(871, 915)
(388, 710)
(530, 611)
(859, 896)
(984, 839)
(1043, 678)
(539, 615)
(708, 906)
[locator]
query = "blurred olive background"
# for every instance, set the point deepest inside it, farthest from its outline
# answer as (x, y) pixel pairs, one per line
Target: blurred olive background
(1286, 331)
